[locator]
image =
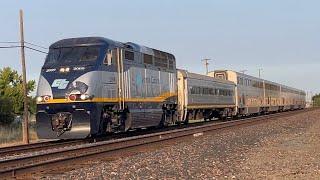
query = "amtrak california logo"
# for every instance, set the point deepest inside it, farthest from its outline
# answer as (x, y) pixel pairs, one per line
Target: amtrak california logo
(60, 83)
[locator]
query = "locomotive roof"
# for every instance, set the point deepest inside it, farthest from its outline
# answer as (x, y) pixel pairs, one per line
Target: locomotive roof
(82, 41)
(85, 41)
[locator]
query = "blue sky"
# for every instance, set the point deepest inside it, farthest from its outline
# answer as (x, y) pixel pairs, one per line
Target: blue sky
(282, 37)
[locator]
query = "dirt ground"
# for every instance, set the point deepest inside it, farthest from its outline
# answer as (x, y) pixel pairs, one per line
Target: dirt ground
(284, 148)
(293, 154)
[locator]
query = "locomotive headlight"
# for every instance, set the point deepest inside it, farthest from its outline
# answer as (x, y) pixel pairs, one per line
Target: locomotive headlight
(84, 96)
(64, 70)
(39, 99)
(43, 98)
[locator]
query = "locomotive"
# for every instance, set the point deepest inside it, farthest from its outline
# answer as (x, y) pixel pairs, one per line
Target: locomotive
(92, 86)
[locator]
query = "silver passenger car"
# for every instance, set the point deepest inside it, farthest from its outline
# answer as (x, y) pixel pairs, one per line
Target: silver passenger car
(201, 96)
(255, 95)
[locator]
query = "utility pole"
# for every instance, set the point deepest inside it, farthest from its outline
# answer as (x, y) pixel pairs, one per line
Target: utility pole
(206, 64)
(312, 102)
(260, 69)
(25, 127)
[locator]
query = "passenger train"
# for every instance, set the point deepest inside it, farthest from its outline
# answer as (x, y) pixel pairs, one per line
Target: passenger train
(92, 86)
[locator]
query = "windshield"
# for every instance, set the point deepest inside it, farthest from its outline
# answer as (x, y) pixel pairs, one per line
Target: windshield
(72, 56)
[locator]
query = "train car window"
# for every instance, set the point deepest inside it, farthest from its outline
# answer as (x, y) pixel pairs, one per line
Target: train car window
(128, 55)
(147, 59)
(192, 90)
(207, 91)
(171, 61)
(221, 92)
(160, 62)
(198, 90)
(171, 66)
(161, 59)
(210, 91)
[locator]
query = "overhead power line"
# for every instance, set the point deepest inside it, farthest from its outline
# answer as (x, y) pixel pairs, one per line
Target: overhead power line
(32, 44)
(6, 47)
(35, 49)
(18, 42)
(9, 42)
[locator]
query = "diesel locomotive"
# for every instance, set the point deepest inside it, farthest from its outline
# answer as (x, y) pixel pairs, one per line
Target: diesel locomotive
(92, 86)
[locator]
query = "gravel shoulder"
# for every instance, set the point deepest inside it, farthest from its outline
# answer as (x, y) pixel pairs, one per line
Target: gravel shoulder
(284, 148)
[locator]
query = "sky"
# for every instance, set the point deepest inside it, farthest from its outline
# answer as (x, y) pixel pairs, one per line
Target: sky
(281, 37)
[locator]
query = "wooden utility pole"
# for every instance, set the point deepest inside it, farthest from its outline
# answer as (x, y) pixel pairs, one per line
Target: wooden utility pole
(206, 64)
(25, 127)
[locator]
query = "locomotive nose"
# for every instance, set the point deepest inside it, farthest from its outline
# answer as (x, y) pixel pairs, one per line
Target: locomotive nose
(63, 125)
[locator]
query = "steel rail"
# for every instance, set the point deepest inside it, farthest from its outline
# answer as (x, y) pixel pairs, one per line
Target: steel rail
(19, 165)
(38, 146)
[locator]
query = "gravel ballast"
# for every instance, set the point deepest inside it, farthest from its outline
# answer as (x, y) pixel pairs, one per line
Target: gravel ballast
(277, 149)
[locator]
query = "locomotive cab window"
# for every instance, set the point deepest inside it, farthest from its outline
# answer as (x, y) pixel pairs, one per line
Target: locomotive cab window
(90, 54)
(72, 56)
(108, 58)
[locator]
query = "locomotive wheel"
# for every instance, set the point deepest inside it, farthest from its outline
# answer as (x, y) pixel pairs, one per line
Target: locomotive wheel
(108, 127)
(186, 121)
(163, 120)
(125, 121)
(105, 123)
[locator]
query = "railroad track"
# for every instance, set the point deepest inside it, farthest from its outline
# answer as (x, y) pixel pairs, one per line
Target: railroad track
(54, 144)
(38, 146)
(31, 163)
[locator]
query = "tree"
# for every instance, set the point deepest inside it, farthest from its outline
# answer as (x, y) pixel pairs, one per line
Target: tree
(11, 93)
(6, 114)
(316, 100)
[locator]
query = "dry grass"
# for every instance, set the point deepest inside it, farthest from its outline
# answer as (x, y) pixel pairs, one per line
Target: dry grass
(11, 135)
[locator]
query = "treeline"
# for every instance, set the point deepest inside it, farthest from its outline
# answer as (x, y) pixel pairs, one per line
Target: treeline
(11, 95)
(316, 100)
